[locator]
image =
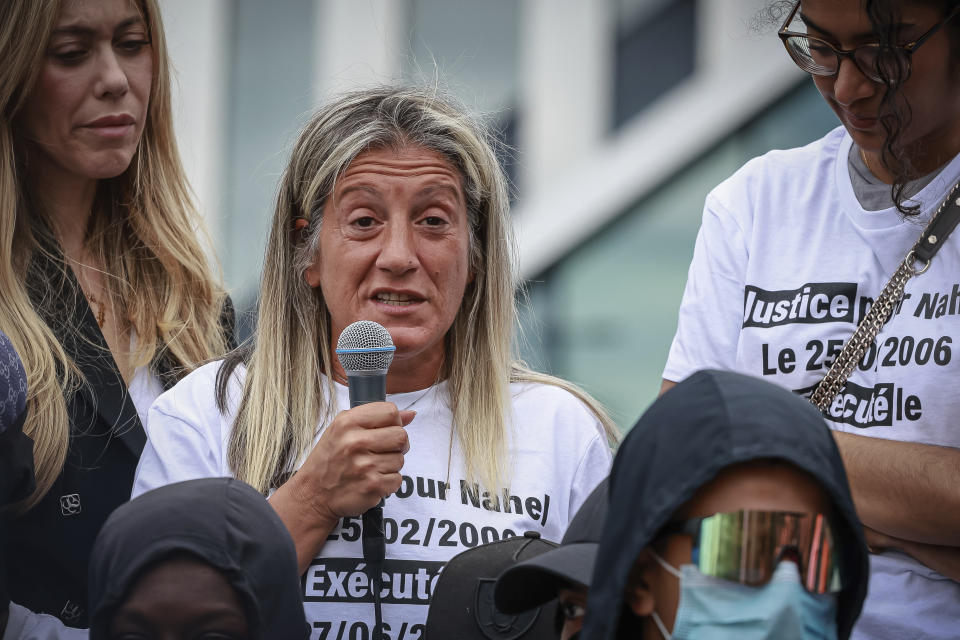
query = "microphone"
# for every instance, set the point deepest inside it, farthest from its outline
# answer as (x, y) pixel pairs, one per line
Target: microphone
(365, 351)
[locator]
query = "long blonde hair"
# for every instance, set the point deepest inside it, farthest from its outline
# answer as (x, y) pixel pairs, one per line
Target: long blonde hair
(285, 392)
(143, 231)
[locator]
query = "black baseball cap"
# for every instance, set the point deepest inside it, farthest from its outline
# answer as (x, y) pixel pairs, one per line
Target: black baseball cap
(462, 604)
(536, 581)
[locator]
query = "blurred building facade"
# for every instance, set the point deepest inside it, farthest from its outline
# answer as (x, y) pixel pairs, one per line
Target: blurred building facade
(622, 115)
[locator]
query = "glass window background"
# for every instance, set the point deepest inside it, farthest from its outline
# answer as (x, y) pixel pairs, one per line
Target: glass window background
(605, 315)
(268, 97)
(655, 52)
(472, 49)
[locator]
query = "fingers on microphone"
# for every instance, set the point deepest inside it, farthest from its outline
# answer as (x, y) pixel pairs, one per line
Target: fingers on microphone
(391, 483)
(388, 440)
(377, 415)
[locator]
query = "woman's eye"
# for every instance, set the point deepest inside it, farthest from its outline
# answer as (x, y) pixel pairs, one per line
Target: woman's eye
(133, 46)
(572, 611)
(70, 56)
(364, 222)
(434, 221)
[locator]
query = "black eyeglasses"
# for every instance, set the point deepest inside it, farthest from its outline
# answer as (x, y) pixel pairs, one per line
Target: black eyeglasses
(890, 63)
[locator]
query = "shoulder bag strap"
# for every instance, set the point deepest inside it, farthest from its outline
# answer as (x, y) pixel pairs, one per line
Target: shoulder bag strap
(916, 262)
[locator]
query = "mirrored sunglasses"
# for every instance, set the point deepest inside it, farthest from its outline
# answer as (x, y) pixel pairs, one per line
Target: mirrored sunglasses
(746, 547)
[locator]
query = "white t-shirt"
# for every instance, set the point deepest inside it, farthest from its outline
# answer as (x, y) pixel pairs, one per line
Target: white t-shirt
(24, 624)
(785, 265)
(558, 455)
(144, 389)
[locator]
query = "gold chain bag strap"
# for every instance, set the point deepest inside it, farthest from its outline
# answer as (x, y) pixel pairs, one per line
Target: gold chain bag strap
(932, 238)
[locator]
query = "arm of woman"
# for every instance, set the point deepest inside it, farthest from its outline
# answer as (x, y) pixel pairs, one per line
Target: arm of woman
(906, 490)
(354, 464)
(942, 559)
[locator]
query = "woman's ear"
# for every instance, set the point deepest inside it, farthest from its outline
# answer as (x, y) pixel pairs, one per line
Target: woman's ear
(312, 275)
(638, 595)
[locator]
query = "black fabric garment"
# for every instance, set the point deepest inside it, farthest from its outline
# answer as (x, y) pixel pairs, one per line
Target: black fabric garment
(710, 421)
(16, 449)
(223, 522)
(48, 548)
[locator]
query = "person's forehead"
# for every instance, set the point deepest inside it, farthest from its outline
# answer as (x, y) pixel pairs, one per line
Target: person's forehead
(407, 161)
(93, 15)
(848, 20)
(759, 485)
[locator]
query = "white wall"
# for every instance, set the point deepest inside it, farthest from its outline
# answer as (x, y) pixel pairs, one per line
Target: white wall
(196, 35)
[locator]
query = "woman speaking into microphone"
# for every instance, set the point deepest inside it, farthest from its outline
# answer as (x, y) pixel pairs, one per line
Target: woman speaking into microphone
(393, 208)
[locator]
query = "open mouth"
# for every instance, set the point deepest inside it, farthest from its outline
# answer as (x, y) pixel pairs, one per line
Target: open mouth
(396, 299)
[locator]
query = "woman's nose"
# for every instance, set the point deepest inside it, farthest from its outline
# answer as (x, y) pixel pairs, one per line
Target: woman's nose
(398, 253)
(850, 84)
(112, 79)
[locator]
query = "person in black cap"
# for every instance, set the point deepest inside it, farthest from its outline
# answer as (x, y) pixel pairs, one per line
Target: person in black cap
(562, 573)
(730, 517)
(208, 556)
(463, 605)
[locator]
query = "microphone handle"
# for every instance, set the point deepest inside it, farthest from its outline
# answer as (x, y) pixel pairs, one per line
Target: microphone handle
(365, 389)
(374, 543)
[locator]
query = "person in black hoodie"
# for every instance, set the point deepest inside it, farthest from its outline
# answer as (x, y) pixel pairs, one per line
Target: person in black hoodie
(207, 557)
(730, 517)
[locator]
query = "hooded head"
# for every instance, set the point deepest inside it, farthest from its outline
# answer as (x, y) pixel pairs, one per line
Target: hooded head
(712, 426)
(221, 531)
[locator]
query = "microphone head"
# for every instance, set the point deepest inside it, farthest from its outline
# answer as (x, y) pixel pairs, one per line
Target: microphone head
(365, 347)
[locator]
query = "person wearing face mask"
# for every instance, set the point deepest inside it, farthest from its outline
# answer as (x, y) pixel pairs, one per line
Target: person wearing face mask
(730, 517)
(831, 270)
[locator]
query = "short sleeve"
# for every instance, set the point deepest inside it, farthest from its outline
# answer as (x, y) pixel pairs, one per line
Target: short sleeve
(23, 624)
(709, 322)
(185, 436)
(594, 466)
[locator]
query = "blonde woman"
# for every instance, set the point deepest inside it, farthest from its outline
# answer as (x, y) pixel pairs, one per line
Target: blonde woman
(393, 208)
(104, 288)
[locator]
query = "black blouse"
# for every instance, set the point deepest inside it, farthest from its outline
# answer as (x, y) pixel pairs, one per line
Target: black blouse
(48, 548)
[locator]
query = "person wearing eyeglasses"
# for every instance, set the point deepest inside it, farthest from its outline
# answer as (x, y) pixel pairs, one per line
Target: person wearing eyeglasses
(729, 517)
(796, 247)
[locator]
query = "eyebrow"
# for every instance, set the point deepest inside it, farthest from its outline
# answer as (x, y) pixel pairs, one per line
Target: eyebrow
(355, 188)
(83, 30)
(426, 192)
(447, 188)
(868, 34)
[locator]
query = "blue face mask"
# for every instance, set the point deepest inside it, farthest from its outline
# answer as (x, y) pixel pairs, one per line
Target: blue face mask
(716, 609)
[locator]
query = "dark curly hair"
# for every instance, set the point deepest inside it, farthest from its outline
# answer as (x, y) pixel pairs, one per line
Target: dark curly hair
(884, 16)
